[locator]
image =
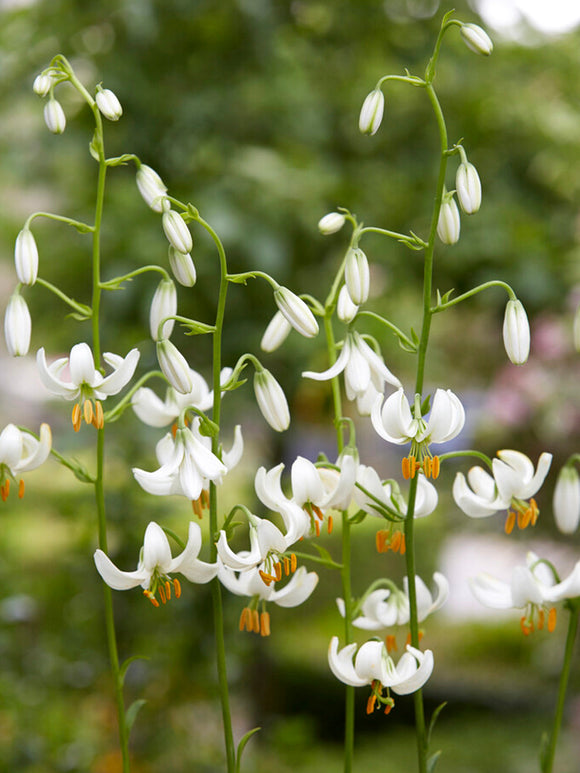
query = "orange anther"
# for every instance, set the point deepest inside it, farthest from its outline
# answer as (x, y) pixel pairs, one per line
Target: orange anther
(541, 615)
(76, 417)
(20, 489)
(317, 527)
(403, 545)
(266, 578)
(162, 594)
(535, 511)
(98, 419)
(414, 466)
(293, 563)
(436, 467)
(265, 624)
(286, 566)
(177, 588)
(381, 538)
(196, 505)
(205, 498)
(406, 468)
(396, 541)
(552, 619)
(255, 621)
(391, 643)
(510, 522)
(151, 597)
(526, 626)
(278, 570)
(428, 467)
(5, 490)
(88, 411)
(168, 589)
(243, 617)
(174, 429)
(371, 703)
(329, 524)
(389, 707)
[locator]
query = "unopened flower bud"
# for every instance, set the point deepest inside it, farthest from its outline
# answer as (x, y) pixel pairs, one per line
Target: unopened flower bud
(468, 187)
(174, 366)
(357, 276)
(42, 84)
(152, 189)
(345, 308)
(26, 257)
(108, 104)
(54, 116)
(331, 223)
(183, 267)
(17, 326)
(177, 232)
(296, 312)
(448, 225)
(371, 113)
(271, 400)
(276, 333)
(516, 332)
(163, 305)
(476, 39)
(566, 502)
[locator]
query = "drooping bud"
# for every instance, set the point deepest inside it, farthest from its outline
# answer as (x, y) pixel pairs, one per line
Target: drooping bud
(17, 326)
(108, 104)
(163, 305)
(566, 502)
(26, 257)
(296, 312)
(271, 400)
(152, 189)
(276, 333)
(177, 232)
(516, 332)
(345, 308)
(449, 224)
(476, 39)
(357, 276)
(54, 116)
(468, 187)
(182, 266)
(331, 223)
(371, 113)
(174, 366)
(42, 84)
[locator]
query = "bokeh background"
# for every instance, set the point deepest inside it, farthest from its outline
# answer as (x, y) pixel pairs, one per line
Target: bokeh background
(249, 110)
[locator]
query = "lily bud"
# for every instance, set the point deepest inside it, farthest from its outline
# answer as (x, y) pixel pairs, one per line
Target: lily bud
(331, 223)
(163, 305)
(371, 113)
(345, 307)
(183, 267)
(17, 326)
(271, 400)
(177, 232)
(42, 84)
(54, 117)
(152, 189)
(276, 333)
(26, 257)
(476, 39)
(357, 276)
(296, 312)
(108, 104)
(448, 225)
(174, 366)
(516, 332)
(468, 187)
(566, 502)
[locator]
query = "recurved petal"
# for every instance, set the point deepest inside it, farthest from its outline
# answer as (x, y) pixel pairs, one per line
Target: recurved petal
(413, 670)
(115, 578)
(49, 375)
(124, 368)
(152, 410)
(156, 550)
(11, 446)
(341, 665)
(300, 587)
(473, 504)
(35, 452)
(82, 365)
(447, 416)
(567, 589)
(491, 592)
(188, 563)
(335, 369)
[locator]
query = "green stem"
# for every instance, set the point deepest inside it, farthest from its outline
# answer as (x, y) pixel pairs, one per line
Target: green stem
(474, 291)
(547, 763)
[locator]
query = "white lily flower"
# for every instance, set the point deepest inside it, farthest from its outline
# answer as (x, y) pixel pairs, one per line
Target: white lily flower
(183, 267)
(331, 223)
(21, 452)
(476, 39)
(363, 368)
(357, 276)
(468, 187)
(152, 189)
(54, 116)
(296, 312)
(85, 382)
(516, 332)
(174, 366)
(17, 326)
(371, 113)
(449, 223)
(269, 492)
(386, 607)
(276, 333)
(388, 495)
(187, 464)
(26, 257)
(108, 104)
(375, 667)
(271, 400)
(532, 587)
(514, 481)
(163, 305)
(346, 308)
(566, 502)
(156, 564)
(267, 543)
(176, 231)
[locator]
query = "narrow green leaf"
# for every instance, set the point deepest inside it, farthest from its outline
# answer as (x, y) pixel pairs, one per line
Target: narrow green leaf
(242, 745)
(132, 711)
(432, 761)
(434, 718)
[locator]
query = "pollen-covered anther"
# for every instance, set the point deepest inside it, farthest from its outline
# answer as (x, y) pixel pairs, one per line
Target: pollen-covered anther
(286, 566)
(99, 417)
(151, 597)
(391, 643)
(278, 570)
(371, 703)
(396, 542)
(329, 524)
(88, 412)
(526, 625)
(293, 563)
(406, 467)
(389, 705)
(267, 579)
(510, 522)
(76, 417)
(541, 616)
(20, 489)
(255, 621)
(552, 619)
(436, 467)
(265, 624)
(535, 511)
(420, 637)
(317, 527)
(5, 490)
(382, 540)
(177, 588)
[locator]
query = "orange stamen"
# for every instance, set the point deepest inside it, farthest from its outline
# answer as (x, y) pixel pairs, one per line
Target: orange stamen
(5, 490)
(510, 522)
(265, 624)
(293, 563)
(205, 498)
(317, 527)
(162, 594)
(76, 417)
(371, 703)
(381, 539)
(196, 505)
(389, 707)
(286, 566)
(526, 629)
(278, 570)
(174, 429)
(88, 411)
(98, 419)
(541, 615)
(552, 619)
(255, 621)
(151, 597)
(535, 511)
(391, 643)
(168, 589)
(177, 588)
(414, 466)
(428, 467)
(243, 616)
(403, 546)
(266, 578)
(329, 524)
(21, 489)
(436, 467)
(406, 468)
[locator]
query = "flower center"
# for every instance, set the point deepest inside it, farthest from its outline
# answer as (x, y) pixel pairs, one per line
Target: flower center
(161, 584)
(537, 613)
(5, 476)
(522, 512)
(272, 571)
(91, 414)
(377, 699)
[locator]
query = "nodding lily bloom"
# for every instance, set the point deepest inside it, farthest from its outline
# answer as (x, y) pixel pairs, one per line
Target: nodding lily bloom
(20, 452)
(386, 607)
(533, 587)
(156, 565)
(251, 583)
(85, 382)
(374, 666)
(188, 463)
(513, 483)
(364, 371)
(387, 495)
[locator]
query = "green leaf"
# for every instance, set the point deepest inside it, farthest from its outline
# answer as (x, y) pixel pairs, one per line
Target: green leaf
(132, 711)
(242, 745)
(426, 405)
(125, 665)
(358, 517)
(432, 761)
(120, 160)
(195, 328)
(115, 284)
(434, 718)
(93, 148)
(78, 316)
